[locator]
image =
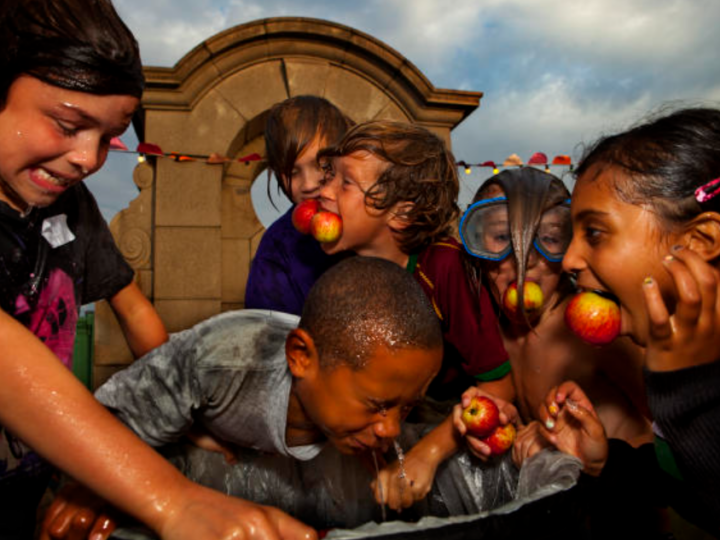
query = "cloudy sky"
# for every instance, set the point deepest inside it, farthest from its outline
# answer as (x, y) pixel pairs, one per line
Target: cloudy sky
(555, 73)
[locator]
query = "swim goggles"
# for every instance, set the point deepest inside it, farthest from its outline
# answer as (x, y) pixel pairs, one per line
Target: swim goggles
(485, 230)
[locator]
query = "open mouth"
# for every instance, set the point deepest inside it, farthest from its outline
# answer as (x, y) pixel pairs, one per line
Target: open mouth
(49, 181)
(605, 294)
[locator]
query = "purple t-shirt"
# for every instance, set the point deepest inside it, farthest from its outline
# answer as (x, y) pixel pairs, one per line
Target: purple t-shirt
(286, 265)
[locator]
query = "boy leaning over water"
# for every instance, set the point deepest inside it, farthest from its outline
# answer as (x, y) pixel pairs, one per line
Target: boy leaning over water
(347, 372)
(395, 186)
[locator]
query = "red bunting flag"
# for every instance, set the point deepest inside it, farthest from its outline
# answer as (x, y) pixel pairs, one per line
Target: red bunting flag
(538, 158)
(117, 144)
(150, 149)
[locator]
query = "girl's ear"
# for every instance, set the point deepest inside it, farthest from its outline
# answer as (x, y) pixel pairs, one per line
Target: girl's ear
(301, 353)
(398, 219)
(703, 235)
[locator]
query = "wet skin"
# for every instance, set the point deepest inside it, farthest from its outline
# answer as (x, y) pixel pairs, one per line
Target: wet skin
(359, 410)
(54, 138)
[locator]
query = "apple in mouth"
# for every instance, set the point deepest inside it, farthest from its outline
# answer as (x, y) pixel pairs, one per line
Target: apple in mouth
(594, 316)
(326, 226)
(303, 213)
(532, 299)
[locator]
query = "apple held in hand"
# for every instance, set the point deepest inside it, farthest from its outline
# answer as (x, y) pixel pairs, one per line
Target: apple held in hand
(481, 417)
(595, 318)
(326, 226)
(501, 440)
(303, 213)
(532, 300)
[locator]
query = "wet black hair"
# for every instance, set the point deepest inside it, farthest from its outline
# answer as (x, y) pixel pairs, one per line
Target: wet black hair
(363, 303)
(664, 160)
(80, 45)
(291, 126)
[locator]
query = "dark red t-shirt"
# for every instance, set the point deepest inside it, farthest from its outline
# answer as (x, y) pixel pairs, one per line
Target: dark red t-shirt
(474, 348)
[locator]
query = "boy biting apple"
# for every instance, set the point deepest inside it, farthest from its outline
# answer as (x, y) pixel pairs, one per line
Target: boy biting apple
(395, 186)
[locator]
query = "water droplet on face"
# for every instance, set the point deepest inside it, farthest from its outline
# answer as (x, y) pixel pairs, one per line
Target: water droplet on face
(383, 510)
(401, 463)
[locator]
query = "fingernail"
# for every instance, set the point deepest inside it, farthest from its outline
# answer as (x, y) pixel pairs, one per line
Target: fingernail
(678, 247)
(571, 405)
(648, 281)
(550, 423)
(668, 258)
(554, 409)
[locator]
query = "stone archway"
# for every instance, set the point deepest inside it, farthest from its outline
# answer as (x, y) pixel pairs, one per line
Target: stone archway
(192, 231)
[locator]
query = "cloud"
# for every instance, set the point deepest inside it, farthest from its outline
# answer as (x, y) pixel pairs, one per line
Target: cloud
(555, 73)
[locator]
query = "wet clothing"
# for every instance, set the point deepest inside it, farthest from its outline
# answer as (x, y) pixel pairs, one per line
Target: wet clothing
(52, 261)
(474, 349)
(286, 265)
(228, 373)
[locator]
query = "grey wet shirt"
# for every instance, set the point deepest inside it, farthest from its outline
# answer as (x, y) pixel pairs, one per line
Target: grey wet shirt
(228, 373)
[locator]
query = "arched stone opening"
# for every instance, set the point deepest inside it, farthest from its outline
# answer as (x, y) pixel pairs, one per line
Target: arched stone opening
(192, 231)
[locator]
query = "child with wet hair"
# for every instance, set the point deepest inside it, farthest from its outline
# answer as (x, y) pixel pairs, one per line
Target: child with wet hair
(287, 262)
(395, 186)
(70, 81)
(646, 229)
(346, 373)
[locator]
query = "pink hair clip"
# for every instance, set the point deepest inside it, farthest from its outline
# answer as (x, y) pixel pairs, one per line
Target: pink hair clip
(706, 192)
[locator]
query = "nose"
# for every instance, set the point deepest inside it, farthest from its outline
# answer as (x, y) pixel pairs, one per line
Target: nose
(88, 153)
(572, 261)
(328, 193)
(388, 427)
(532, 257)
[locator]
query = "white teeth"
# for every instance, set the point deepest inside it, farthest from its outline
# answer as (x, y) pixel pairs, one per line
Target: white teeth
(42, 173)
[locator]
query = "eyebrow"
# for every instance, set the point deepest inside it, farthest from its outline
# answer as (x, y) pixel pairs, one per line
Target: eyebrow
(586, 214)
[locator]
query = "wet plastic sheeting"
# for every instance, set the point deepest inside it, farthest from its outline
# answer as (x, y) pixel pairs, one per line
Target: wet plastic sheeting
(470, 498)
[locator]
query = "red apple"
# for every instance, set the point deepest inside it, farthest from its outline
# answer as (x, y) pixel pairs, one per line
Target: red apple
(501, 440)
(532, 300)
(303, 213)
(595, 318)
(326, 226)
(481, 417)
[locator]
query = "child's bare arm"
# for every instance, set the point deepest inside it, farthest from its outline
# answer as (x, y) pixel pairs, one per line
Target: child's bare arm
(421, 463)
(42, 402)
(140, 322)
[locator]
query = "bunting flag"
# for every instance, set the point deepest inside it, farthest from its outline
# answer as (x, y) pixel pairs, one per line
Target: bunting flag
(149, 149)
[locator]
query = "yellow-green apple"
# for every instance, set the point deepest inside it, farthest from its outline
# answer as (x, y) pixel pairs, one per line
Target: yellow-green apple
(594, 317)
(532, 299)
(481, 417)
(303, 213)
(326, 226)
(501, 440)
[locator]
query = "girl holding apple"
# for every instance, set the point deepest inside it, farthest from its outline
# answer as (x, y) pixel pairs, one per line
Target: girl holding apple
(646, 224)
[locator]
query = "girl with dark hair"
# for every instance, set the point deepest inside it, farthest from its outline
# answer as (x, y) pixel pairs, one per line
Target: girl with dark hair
(287, 263)
(70, 81)
(517, 230)
(646, 224)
